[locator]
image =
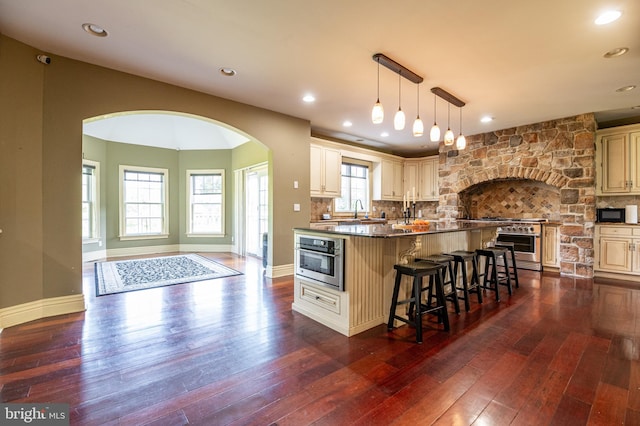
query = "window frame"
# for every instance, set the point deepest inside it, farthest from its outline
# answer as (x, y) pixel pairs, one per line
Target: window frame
(189, 203)
(366, 205)
(95, 234)
(164, 233)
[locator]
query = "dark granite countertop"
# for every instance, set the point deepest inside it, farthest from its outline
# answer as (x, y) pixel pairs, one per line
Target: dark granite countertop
(388, 230)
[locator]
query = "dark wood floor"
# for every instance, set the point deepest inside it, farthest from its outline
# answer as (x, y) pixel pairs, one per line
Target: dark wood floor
(560, 351)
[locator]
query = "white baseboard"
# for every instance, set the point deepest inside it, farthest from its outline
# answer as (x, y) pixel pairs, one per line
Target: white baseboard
(279, 271)
(92, 256)
(19, 314)
(169, 248)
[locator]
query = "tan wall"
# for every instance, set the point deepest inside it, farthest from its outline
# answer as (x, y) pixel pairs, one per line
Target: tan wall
(72, 91)
(21, 254)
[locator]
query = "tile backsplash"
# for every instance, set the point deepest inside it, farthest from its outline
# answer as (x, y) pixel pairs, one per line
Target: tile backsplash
(392, 209)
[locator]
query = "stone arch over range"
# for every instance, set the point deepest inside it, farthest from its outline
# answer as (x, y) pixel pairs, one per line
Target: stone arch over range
(558, 154)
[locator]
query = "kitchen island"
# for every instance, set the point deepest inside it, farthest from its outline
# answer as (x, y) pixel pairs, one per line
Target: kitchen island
(370, 251)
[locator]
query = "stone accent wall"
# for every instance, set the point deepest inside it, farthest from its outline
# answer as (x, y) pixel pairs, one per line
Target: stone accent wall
(518, 198)
(559, 153)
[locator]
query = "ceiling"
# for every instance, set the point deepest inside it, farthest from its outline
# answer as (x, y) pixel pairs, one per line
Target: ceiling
(519, 62)
(177, 131)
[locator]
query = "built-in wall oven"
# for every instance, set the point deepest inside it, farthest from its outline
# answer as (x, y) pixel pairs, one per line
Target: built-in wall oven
(321, 260)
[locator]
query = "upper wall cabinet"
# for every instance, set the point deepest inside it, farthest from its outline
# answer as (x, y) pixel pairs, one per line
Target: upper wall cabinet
(422, 174)
(325, 171)
(387, 180)
(618, 161)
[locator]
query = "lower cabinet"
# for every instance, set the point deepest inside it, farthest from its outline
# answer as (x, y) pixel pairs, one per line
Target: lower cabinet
(618, 250)
(550, 247)
(325, 305)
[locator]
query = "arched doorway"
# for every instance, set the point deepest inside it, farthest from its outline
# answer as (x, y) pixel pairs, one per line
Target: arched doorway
(182, 146)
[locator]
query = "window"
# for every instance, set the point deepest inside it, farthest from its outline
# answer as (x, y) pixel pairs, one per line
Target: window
(90, 201)
(205, 202)
(355, 187)
(144, 194)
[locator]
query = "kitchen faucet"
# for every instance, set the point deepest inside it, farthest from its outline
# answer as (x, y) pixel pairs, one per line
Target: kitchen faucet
(355, 216)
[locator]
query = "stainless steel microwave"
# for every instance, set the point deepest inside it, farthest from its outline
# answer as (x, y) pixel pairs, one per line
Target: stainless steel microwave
(320, 259)
(610, 215)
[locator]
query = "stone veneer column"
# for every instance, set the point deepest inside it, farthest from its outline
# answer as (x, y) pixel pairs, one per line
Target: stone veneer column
(560, 153)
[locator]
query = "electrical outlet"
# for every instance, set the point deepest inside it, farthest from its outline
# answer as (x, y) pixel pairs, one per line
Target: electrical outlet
(393, 209)
(374, 209)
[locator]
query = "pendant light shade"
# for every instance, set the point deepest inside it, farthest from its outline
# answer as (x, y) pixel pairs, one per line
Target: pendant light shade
(461, 142)
(434, 135)
(418, 127)
(448, 135)
(377, 113)
(399, 119)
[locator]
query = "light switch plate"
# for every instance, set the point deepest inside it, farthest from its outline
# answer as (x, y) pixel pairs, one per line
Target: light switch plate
(296, 207)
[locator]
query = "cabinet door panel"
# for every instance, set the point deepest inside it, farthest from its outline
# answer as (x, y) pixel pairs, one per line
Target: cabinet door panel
(615, 254)
(615, 163)
(550, 247)
(315, 178)
(332, 172)
(429, 179)
(634, 155)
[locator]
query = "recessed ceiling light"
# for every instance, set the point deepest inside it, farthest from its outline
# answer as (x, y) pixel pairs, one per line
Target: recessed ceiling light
(618, 51)
(347, 123)
(94, 30)
(309, 98)
(227, 72)
(608, 17)
(384, 134)
(626, 88)
(486, 119)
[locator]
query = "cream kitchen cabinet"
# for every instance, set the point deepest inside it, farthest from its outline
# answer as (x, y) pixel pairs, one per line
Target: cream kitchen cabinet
(429, 179)
(325, 168)
(618, 161)
(422, 174)
(618, 249)
(550, 246)
(388, 180)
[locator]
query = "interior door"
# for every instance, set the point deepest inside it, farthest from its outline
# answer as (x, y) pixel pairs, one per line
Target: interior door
(256, 209)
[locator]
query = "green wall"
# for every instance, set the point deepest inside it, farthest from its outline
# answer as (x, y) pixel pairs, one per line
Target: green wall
(42, 108)
(111, 155)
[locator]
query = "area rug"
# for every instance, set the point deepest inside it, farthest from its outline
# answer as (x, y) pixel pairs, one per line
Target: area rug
(138, 274)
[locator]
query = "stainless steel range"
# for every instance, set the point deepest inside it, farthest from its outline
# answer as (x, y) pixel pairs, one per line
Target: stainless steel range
(526, 237)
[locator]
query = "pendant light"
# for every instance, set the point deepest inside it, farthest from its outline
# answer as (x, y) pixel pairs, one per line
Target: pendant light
(418, 127)
(377, 113)
(461, 142)
(398, 119)
(434, 135)
(448, 135)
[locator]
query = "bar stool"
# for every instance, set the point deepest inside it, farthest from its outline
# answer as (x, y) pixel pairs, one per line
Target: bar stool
(492, 278)
(419, 270)
(461, 258)
(513, 268)
(448, 278)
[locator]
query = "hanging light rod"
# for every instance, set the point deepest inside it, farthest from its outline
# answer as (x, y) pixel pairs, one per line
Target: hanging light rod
(397, 68)
(447, 96)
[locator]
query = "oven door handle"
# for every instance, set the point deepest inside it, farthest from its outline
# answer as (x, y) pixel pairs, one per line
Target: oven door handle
(319, 253)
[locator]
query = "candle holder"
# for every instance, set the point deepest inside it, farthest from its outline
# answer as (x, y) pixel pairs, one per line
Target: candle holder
(406, 213)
